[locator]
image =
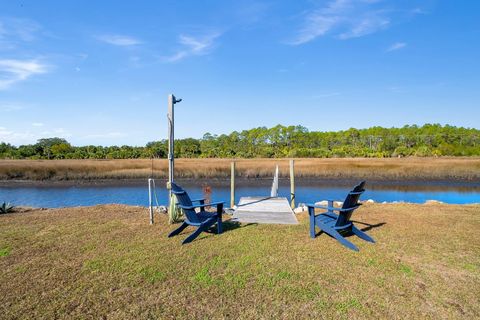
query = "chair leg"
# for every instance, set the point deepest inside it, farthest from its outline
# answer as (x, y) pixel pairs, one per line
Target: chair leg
(219, 218)
(178, 230)
(311, 213)
(362, 234)
(334, 233)
(195, 234)
(219, 225)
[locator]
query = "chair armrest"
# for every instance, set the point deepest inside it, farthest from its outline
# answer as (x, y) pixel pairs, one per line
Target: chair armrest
(198, 200)
(321, 207)
(332, 208)
(201, 205)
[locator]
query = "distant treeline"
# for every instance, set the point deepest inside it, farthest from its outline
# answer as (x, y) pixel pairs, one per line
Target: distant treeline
(276, 142)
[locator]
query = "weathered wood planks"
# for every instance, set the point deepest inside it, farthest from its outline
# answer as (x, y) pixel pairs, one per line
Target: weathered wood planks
(265, 210)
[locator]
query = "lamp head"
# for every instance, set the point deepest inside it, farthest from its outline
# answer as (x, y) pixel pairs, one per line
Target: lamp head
(175, 100)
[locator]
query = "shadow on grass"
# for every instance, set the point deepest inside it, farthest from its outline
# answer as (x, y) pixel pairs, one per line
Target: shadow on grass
(227, 226)
(366, 228)
(230, 225)
(369, 226)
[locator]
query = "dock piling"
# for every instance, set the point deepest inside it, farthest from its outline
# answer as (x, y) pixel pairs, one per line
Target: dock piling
(292, 184)
(232, 184)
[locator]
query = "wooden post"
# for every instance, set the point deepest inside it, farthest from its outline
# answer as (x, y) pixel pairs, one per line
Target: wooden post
(292, 184)
(171, 141)
(232, 184)
(150, 202)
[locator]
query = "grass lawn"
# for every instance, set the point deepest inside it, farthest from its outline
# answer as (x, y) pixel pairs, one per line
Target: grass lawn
(107, 262)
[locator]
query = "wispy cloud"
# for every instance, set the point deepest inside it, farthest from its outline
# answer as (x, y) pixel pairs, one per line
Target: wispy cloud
(119, 40)
(17, 137)
(13, 71)
(344, 19)
(37, 124)
(15, 30)
(396, 46)
(9, 107)
(418, 11)
(193, 46)
(107, 135)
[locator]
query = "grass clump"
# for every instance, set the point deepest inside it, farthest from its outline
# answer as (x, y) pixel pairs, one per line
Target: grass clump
(203, 277)
(152, 275)
(406, 269)
(345, 306)
(4, 252)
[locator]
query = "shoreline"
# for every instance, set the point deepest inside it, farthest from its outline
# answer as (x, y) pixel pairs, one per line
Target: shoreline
(299, 209)
(420, 184)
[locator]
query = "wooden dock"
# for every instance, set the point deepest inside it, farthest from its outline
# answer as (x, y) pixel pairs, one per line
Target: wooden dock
(264, 210)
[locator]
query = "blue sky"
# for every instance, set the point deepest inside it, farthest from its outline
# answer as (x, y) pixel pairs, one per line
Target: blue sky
(99, 72)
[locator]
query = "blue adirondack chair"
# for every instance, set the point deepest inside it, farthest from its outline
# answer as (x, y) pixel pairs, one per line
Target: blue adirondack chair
(338, 225)
(203, 220)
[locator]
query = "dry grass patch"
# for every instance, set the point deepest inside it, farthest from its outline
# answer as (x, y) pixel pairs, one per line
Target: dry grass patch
(106, 261)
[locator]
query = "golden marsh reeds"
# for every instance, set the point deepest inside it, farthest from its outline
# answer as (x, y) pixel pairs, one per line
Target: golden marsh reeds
(456, 169)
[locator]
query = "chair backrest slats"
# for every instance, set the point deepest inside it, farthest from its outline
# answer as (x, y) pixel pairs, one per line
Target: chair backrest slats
(184, 200)
(350, 201)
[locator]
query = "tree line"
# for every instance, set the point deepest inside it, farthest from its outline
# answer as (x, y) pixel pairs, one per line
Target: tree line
(277, 142)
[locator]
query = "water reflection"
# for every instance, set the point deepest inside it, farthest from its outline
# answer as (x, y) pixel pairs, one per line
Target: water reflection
(74, 194)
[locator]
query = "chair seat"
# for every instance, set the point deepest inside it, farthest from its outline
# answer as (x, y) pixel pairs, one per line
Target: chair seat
(328, 219)
(206, 215)
(202, 217)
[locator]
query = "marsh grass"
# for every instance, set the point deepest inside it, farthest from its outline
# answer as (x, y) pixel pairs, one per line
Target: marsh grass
(458, 169)
(108, 262)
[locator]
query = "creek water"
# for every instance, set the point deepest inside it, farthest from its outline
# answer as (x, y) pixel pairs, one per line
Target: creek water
(84, 194)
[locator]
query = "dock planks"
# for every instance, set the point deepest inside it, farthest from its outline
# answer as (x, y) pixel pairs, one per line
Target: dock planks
(264, 210)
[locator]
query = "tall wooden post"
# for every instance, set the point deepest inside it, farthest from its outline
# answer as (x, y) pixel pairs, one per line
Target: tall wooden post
(232, 184)
(292, 184)
(150, 200)
(171, 141)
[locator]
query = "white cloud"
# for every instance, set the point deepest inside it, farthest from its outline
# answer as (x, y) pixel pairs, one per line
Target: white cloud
(396, 46)
(344, 18)
(8, 107)
(194, 46)
(16, 138)
(13, 71)
(365, 26)
(107, 135)
(14, 31)
(28, 137)
(37, 124)
(418, 11)
(119, 40)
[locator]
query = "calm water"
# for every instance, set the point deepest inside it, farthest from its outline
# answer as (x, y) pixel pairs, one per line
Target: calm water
(85, 195)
